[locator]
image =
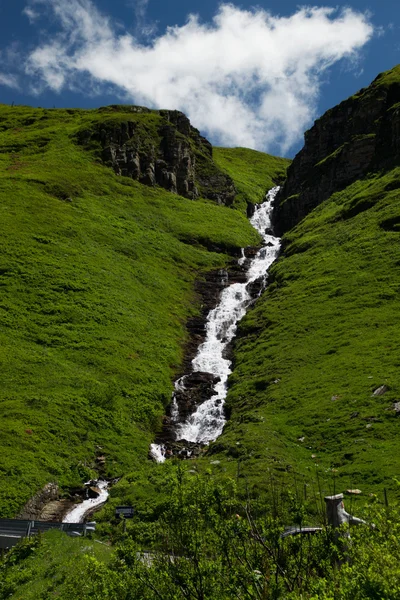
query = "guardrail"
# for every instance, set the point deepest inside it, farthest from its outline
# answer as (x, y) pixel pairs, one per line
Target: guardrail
(13, 530)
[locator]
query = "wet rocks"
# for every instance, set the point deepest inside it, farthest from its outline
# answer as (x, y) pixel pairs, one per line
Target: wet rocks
(199, 387)
(183, 449)
(93, 491)
(46, 505)
(55, 511)
(256, 287)
(208, 290)
(34, 507)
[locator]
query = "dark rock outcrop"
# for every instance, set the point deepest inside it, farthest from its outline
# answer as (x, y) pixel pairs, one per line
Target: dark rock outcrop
(360, 135)
(34, 507)
(199, 387)
(165, 151)
(46, 505)
(182, 449)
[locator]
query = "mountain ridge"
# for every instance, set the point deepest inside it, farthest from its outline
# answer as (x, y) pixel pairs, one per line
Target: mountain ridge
(360, 135)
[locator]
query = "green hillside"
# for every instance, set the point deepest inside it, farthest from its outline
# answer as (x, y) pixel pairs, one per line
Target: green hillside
(253, 172)
(97, 279)
(303, 406)
(306, 397)
(321, 340)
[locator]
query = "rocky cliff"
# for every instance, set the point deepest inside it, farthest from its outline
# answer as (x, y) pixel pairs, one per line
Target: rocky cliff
(360, 135)
(159, 148)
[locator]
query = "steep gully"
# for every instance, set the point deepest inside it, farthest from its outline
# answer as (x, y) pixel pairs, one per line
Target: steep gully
(190, 430)
(211, 366)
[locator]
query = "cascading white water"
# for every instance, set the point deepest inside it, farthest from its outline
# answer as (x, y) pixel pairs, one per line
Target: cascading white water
(157, 452)
(207, 422)
(78, 513)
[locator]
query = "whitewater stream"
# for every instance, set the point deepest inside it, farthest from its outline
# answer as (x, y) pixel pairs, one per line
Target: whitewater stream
(78, 513)
(208, 420)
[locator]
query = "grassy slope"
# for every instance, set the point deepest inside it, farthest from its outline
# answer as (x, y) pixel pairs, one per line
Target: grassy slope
(43, 567)
(96, 279)
(322, 338)
(253, 172)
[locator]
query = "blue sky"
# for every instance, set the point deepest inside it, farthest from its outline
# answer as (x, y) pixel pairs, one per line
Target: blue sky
(246, 74)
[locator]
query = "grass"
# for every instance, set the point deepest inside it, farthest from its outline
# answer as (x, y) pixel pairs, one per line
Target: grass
(97, 276)
(95, 295)
(42, 567)
(388, 78)
(254, 173)
(308, 358)
(210, 544)
(318, 343)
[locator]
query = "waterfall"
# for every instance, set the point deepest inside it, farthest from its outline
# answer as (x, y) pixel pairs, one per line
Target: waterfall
(207, 422)
(78, 512)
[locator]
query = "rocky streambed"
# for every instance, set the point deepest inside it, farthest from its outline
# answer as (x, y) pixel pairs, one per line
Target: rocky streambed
(196, 414)
(47, 505)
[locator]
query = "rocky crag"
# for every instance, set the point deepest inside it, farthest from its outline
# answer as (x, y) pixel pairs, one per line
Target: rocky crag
(165, 150)
(360, 135)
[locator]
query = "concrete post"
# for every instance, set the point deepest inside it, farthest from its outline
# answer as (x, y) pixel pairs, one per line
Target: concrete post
(336, 514)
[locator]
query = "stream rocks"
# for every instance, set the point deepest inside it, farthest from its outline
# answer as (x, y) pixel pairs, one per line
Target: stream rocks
(34, 506)
(199, 387)
(46, 505)
(209, 290)
(182, 449)
(196, 388)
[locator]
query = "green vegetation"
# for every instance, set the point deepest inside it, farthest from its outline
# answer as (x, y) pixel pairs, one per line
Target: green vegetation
(254, 173)
(388, 78)
(42, 567)
(96, 278)
(317, 345)
(211, 546)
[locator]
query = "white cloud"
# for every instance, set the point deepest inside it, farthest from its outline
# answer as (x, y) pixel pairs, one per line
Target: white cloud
(30, 13)
(248, 78)
(144, 28)
(9, 80)
(140, 10)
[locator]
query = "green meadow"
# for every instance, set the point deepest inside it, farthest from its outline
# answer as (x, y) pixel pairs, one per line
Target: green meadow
(317, 345)
(97, 280)
(253, 172)
(307, 360)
